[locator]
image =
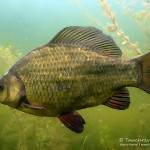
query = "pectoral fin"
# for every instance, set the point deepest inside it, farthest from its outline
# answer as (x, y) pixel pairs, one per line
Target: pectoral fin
(27, 104)
(120, 100)
(73, 121)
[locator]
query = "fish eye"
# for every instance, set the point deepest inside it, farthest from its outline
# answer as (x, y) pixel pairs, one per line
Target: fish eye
(1, 87)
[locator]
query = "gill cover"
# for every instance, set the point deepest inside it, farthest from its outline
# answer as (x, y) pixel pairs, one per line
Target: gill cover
(12, 91)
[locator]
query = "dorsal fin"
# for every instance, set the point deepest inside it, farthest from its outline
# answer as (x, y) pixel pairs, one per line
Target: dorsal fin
(88, 38)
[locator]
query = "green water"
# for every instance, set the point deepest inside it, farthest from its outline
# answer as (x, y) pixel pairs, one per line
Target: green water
(27, 24)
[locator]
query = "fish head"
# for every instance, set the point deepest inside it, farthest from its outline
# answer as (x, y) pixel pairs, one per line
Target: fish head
(11, 90)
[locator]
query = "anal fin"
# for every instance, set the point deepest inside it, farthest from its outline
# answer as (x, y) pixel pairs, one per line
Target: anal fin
(120, 100)
(73, 121)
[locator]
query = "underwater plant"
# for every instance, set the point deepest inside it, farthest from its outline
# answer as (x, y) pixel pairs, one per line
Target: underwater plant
(9, 55)
(141, 16)
(114, 26)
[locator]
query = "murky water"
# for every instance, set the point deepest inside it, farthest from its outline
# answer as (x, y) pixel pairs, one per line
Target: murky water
(26, 24)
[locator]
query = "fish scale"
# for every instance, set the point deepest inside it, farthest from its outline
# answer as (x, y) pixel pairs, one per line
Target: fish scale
(88, 76)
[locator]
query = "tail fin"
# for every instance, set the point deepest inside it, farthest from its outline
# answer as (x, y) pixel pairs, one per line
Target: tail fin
(145, 63)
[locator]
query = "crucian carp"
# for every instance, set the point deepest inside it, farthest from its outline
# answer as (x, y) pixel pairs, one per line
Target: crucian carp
(79, 68)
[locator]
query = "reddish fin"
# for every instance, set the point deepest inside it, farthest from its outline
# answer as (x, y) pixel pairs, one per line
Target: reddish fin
(145, 70)
(73, 121)
(120, 100)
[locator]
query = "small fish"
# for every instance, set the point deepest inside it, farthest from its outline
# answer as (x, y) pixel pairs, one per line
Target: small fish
(80, 67)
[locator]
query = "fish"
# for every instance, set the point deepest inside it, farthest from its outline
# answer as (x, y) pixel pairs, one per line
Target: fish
(80, 67)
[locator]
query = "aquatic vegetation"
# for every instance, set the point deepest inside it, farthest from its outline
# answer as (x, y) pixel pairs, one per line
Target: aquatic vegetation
(114, 26)
(141, 17)
(9, 55)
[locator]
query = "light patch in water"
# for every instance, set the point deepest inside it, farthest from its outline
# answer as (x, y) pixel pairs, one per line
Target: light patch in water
(6, 73)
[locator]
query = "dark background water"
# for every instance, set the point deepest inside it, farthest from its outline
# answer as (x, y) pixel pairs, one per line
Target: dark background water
(26, 24)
